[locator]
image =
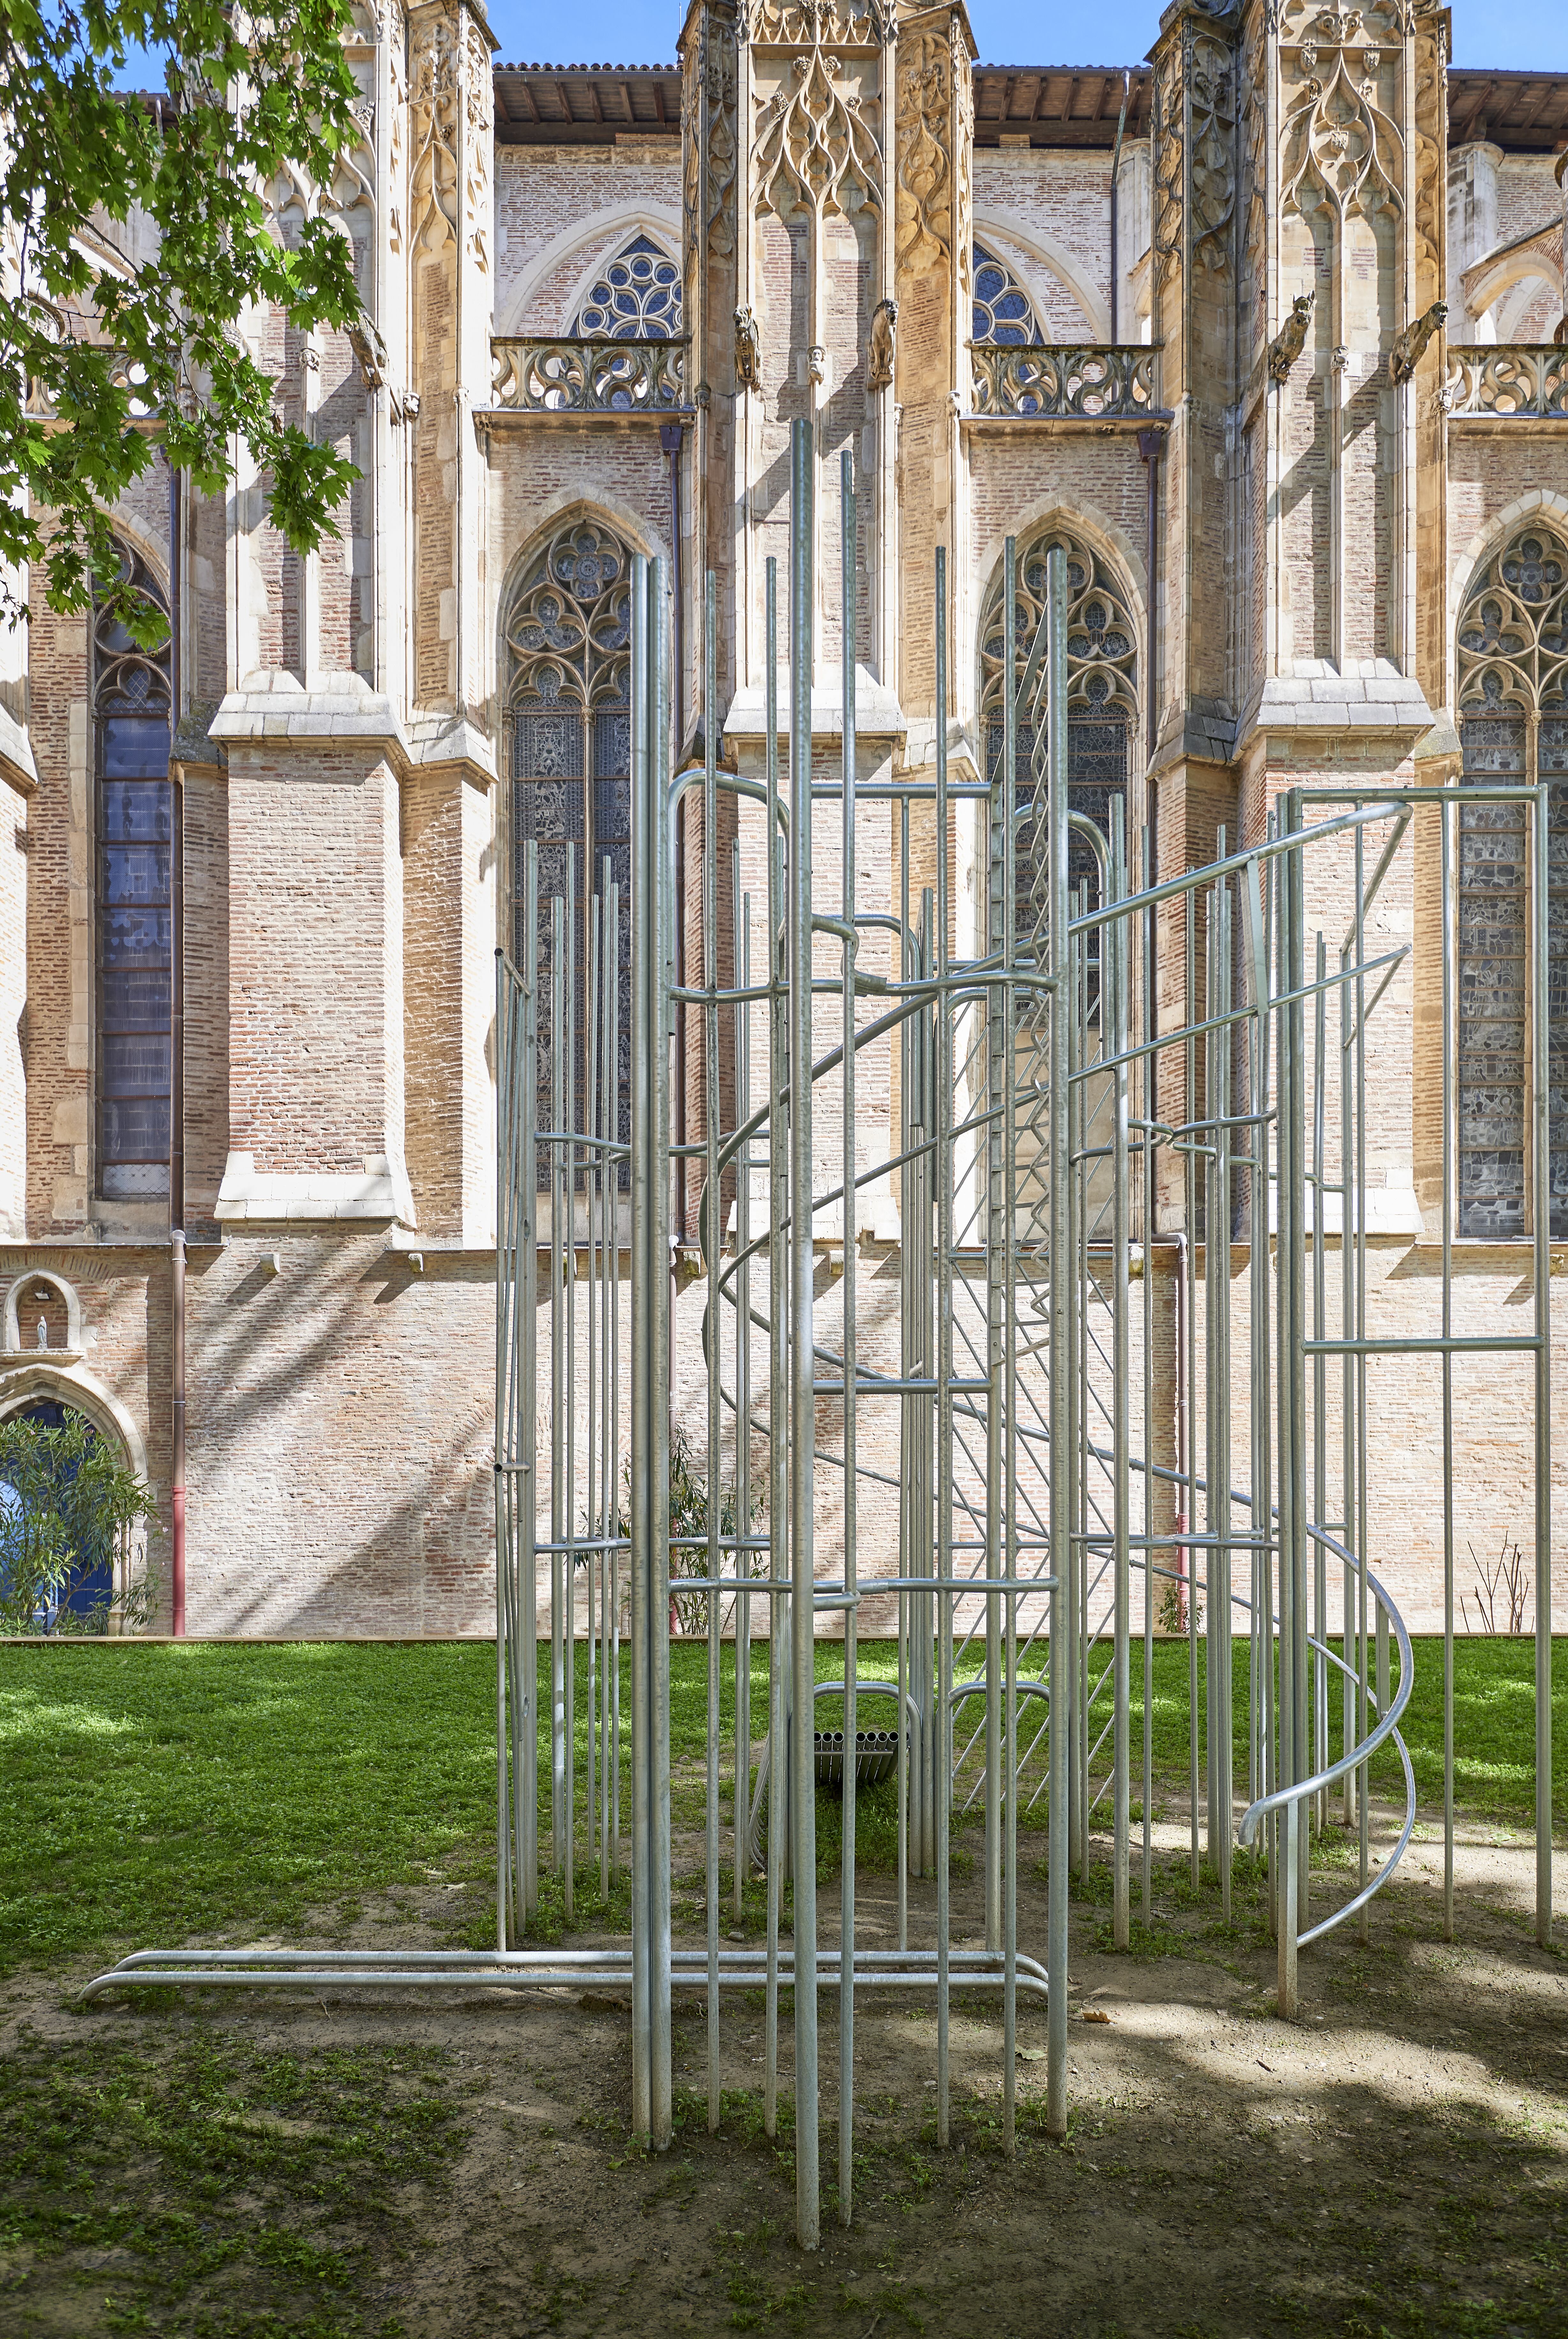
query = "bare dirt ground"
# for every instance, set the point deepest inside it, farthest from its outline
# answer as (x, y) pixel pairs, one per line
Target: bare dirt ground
(1395, 2162)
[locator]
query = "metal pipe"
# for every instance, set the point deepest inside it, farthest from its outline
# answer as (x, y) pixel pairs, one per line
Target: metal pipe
(847, 549)
(176, 1066)
(1060, 1494)
(801, 1412)
(652, 2108)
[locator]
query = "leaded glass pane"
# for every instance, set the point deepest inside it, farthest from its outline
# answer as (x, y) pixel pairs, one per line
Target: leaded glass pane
(1492, 984)
(135, 888)
(567, 634)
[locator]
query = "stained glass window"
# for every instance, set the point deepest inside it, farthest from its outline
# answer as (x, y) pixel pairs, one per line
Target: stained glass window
(1101, 704)
(1514, 721)
(1003, 312)
(568, 647)
(134, 873)
(637, 298)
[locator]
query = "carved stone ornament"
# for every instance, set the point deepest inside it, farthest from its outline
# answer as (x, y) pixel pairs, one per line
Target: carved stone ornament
(1410, 346)
(748, 351)
(880, 353)
(924, 143)
(1291, 339)
(817, 141)
(1339, 141)
(1211, 170)
(433, 137)
(803, 24)
(1169, 158)
(478, 105)
(722, 138)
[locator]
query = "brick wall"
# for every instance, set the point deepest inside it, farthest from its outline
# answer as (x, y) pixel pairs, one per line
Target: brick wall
(340, 1438)
(545, 194)
(12, 1008)
(315, 960)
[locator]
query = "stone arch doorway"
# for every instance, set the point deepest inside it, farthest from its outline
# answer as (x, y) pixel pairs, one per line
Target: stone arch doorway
(99, 1584)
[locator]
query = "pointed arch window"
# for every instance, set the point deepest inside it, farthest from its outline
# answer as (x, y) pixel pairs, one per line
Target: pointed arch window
(636, 299)
(1513, 673)
(134, 854)
(1102, 704)
(1004, 312)
(567, 654)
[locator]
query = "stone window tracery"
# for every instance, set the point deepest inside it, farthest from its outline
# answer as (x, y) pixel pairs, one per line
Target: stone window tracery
(637, 298)
(1003, 312)
(1513, 673)
(566, 651)
(1102, 703)
(133, 855)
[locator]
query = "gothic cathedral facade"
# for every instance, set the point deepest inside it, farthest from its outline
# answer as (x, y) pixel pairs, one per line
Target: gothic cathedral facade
(1268, 331)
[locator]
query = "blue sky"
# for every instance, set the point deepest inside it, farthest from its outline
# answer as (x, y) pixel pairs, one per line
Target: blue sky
(1525, 35)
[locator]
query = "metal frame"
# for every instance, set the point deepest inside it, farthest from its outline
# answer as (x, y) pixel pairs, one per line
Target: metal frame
(1073, 1179)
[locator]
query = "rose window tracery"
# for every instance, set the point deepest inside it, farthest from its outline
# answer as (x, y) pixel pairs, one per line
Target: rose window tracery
(636, 299)
(1003, 313)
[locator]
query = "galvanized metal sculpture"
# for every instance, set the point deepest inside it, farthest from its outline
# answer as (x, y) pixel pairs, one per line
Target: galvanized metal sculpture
(1073, 1160)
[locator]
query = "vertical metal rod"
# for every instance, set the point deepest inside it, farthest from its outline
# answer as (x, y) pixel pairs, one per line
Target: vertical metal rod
(651, 2078)
(944, 1240)
(1291, 1400)
(613, 1417)
(506, 1560)
(778, 1359)
(1000, 1238)
(525, 1284)
(1147, 1142)
(1446, 899)
(592, 1165)
(713, 1232)
(566, 1303)
(1061, 1492)
(1541, 1097)
(1221, 1830)
(802, 1401)
(1190, 1211)
(744, 1558)
(847, 538)
(1115, 970)
(560, 1848)
(1320, 1369)
(1357, 1196)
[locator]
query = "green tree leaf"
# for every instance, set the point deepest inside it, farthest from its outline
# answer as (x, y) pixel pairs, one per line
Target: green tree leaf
(142, 242)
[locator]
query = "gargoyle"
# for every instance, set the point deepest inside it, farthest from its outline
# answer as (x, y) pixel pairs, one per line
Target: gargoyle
(1288, 344)
(370, 354)
(879, 355)
(1410, 346)
(748, 351)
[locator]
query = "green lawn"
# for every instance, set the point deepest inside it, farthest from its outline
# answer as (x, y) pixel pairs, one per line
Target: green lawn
(157, 1792)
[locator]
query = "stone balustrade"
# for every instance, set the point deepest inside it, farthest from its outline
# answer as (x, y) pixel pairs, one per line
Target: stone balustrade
(1514, 380)
(1065, 381)
(587, 377)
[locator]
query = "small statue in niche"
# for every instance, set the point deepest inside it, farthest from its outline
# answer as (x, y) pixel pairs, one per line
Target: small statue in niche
(748, 351)
(1291, 339)
(1410, 346)
(43, 1331)
(879, 354)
